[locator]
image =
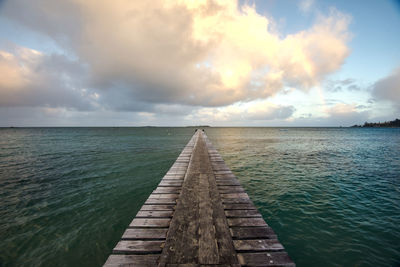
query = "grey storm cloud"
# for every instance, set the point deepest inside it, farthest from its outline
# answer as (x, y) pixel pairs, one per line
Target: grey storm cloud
(388, 89)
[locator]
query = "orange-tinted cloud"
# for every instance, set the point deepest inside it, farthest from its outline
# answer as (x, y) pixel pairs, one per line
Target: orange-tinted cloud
(207, 53)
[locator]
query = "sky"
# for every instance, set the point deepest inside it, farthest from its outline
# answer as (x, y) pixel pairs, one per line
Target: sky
(199, 62)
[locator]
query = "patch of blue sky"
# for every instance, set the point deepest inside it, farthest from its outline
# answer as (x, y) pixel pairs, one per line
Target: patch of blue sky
(374, 27)
(13, 33)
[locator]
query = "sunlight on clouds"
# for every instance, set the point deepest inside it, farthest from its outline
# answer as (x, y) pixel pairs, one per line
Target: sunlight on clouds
(342, 109)
(208, 53)
(14, 74)
(31, 78)
(250, 112)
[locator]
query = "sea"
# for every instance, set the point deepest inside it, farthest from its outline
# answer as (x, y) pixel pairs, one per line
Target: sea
(332, 195)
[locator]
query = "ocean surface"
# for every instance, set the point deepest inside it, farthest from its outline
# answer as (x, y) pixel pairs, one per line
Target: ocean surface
(331, 194)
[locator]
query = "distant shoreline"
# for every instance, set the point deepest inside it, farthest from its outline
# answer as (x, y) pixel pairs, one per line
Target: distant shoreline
(386, 124)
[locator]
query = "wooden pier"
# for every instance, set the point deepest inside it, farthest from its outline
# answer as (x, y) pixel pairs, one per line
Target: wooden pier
(199, 215)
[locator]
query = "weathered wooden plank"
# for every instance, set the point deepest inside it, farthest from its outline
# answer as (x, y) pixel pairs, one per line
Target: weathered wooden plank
(132, 260)
(222, 172)
(226, 174)
(234, 195)
(154, 214)
(246, 222)
(201, 265)
(138, 247)
(143, 234)
(180, 169)
(167, 190)
(257, 245)
(166, 196)
(232, 182)
(236, 200)
(227, 179)
(242, 213)
(230, 189)
(189, 231)
(164, 201)
(180, 165)
(176, 173)
(173, 177)
(240, 206)
(140, 222)
(252, 233)
(170, 183)
(265, 259)
(157, 207)
(182, 161)
(190, 212)
(208, 250)
(227, 253)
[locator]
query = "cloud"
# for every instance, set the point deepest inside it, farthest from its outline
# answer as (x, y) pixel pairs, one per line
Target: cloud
(388, 89)
(306, 5)
(340, 85)
(31, 78)
(346, 114)
(340, 114)
(55, 117)
(193, 53)
(270, 112)
(254, 113)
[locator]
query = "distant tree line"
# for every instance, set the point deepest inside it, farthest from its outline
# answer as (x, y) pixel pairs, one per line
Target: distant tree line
(395, 123)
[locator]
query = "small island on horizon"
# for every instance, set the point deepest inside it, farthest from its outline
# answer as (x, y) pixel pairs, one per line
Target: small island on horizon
(388, 124)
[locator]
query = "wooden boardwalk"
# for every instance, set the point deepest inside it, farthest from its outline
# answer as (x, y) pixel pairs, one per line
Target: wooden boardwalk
(199, 215)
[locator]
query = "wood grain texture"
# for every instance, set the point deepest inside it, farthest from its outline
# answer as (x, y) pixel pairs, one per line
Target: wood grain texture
(252, 233)
(265, 259)
(141, 222)
(246, 222)
(132, 260)
(138, 247)
(258, 245)
(157, 207)
(145, 234)
(154, 214)
(199, 232)
(208, 247)
(162, 201)
(167, 190)
(199, 215)
(242, 213)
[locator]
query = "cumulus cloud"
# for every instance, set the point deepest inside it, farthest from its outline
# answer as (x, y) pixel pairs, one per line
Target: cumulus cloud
(388, 89)
(30, 78)
(205, 53)
(257, 112)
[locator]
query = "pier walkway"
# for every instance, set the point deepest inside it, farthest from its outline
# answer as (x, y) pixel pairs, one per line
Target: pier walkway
(199, 215)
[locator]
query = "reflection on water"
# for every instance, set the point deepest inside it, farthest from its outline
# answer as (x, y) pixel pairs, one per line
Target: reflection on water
(332, 195)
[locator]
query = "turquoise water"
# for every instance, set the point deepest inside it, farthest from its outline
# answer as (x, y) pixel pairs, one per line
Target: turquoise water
(331, 194)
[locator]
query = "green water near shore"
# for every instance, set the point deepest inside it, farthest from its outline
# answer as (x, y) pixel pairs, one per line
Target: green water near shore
(332, 195)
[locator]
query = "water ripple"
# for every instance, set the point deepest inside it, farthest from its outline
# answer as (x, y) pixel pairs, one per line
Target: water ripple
(332, 195)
